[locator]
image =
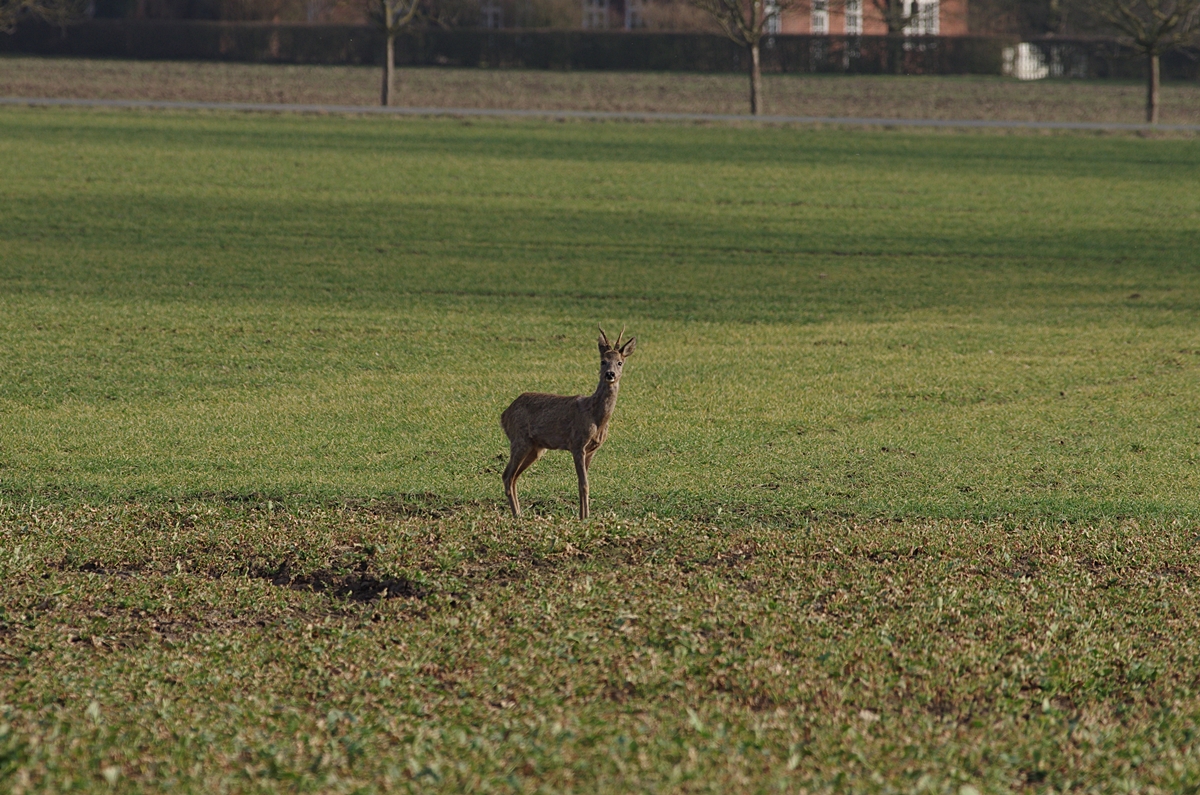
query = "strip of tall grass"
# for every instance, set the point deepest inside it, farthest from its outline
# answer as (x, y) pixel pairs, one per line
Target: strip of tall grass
(882, 96)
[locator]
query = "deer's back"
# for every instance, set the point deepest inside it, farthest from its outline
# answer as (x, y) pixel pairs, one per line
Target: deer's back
(548, 421)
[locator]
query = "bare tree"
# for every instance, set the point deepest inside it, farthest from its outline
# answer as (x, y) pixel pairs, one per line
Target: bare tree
(745, 22)
(1153, 27)
(392, 16)
(898, 15)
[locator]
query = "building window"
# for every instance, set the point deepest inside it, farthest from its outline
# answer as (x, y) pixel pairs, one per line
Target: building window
(773, 24)
(929, 18)
(635, 14)
(853, 17)
(493, 15)
(820, 17)
(924, 19)
(595, 14)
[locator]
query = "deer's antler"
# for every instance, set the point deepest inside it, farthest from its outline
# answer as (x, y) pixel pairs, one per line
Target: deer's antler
(622, 334)
(603, 336)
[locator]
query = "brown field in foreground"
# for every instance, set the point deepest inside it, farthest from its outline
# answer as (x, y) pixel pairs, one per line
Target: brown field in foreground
(967, 97)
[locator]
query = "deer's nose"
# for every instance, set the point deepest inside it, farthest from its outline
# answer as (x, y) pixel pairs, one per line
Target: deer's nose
(610, 375)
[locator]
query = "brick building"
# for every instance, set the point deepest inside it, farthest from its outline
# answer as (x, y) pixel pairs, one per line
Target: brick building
(614, 14)
(817, 17)
(865, 18)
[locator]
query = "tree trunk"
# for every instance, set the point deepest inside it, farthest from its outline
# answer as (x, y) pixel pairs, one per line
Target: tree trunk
(895, 53)
(1152, 80)
(387, 95)
(755, 81)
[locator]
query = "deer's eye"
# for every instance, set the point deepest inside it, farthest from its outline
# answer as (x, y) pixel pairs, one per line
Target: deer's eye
(620, 363)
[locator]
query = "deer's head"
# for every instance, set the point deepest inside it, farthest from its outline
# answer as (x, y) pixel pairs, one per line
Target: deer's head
(612, 357)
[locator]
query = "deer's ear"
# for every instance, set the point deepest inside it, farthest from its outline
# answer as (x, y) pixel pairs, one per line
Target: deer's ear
(628, 347)
(604, 346)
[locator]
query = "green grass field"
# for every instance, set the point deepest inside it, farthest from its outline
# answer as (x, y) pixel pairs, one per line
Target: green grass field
(900, 493)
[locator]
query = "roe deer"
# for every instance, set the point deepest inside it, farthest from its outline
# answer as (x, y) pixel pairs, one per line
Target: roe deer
(537, 422)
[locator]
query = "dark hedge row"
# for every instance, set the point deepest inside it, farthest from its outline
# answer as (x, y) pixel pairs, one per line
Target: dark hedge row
(561, 49)
(1091, 58)
(347, 44)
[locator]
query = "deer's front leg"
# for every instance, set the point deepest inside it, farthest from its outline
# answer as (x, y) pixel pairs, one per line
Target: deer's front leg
(581, 473)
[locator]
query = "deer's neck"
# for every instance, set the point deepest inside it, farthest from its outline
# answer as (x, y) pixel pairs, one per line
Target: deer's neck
(604, 400)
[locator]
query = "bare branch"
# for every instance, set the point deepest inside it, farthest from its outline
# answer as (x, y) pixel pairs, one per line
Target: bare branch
(744, 21)
(11, 12)
(59, 13)
(1152, 26)
(894, 14)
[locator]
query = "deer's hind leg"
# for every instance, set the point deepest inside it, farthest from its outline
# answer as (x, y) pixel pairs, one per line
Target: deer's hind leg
(516, 456)
(530, 458)
(522, 457)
